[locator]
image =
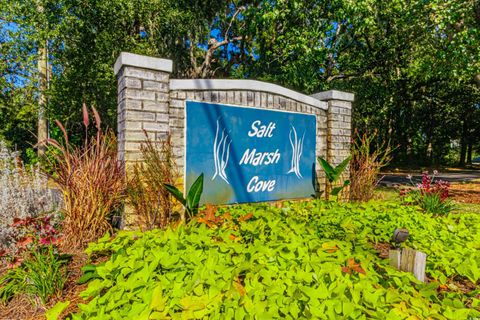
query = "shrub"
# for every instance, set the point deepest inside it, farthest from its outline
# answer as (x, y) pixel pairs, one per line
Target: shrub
(36, 232)
(92, 182)
(431, 195)
(148, 199)
(24, 193)
(367, 160)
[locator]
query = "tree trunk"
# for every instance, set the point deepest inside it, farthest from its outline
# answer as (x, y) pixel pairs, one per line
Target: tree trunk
(469, 151)
(463, 144)
(42, 129)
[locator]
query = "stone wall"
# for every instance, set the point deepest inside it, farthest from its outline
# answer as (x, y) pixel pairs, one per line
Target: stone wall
(149, 101)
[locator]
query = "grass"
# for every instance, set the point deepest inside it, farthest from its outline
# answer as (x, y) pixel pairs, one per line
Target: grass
(386, 194)
(461, 207)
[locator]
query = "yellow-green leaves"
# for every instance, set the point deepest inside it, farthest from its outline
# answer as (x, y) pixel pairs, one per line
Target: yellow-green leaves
(306, 260)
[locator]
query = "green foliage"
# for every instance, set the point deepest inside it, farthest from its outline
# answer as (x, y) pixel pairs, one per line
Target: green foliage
(40, 276)
(305, 260)
(191, 202)
(334, 174)
(54, 312)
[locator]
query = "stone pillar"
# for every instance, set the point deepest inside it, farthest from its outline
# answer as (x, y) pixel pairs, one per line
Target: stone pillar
(339, 126)
(143, 102)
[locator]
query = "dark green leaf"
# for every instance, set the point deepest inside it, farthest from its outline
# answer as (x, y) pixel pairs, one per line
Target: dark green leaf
(194, 194)
(176, 193)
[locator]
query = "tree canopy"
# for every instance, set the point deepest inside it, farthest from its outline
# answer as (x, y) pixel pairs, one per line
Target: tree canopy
(413, 65)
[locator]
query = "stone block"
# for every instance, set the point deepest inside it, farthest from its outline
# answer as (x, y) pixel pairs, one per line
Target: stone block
(129, 125)
(162, 117)
(250, 98)
(276, 102)
(339, 125)
(258, 99)
(341, 104)
(133, 83)
(243, 95)
(155, 126)
(139, 94)
(135, 136)
(344, 139)
(133, 156)
(161, 97)
(177, 113)
(161, 136)
(155, 106)
(190, 95)
(129, 104)
(238, 98)
(177, 134)
(231, 97)
(342, 132)
(132, 146)
(179, 104)
(264, 99)
(222, 97)
(270, 101)
(182, 95)
(207, 96)
(155, 86)
(176, 122)
(134, 115)
(139, 73)
(339, 110)
(335, 117)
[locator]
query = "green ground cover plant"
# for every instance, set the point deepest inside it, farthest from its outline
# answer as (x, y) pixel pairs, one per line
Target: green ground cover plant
(301, 260)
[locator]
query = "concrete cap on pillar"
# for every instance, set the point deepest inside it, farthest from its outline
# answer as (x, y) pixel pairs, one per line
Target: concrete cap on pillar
(334, 95)
(139, 61)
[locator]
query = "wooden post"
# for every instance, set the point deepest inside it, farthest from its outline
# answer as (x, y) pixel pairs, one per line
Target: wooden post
(394, 256)
(409, 260)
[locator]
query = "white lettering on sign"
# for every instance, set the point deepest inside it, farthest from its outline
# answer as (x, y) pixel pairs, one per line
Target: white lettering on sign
(259, 158)
(257, 185)
(261, 131)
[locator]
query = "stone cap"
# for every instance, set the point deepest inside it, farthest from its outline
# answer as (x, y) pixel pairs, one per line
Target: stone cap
(250, 85)
(334, 95)
(139, 61)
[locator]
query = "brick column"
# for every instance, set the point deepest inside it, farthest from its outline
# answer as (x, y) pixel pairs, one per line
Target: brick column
(339, 126)
(143, 102)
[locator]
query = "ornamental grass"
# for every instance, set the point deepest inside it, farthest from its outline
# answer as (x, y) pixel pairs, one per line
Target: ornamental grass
(368, 158)
(147, 197)
(91, 180)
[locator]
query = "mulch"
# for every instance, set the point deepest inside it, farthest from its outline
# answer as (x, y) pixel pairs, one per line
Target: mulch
(468, 192)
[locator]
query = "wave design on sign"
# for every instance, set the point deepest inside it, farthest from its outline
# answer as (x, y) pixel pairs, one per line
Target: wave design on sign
(297, 149)
(221, 153)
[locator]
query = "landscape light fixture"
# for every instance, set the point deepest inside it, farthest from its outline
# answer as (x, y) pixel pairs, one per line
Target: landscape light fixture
(399, 236)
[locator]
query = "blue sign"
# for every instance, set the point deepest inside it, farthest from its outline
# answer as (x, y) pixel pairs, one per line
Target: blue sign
(248, 154)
